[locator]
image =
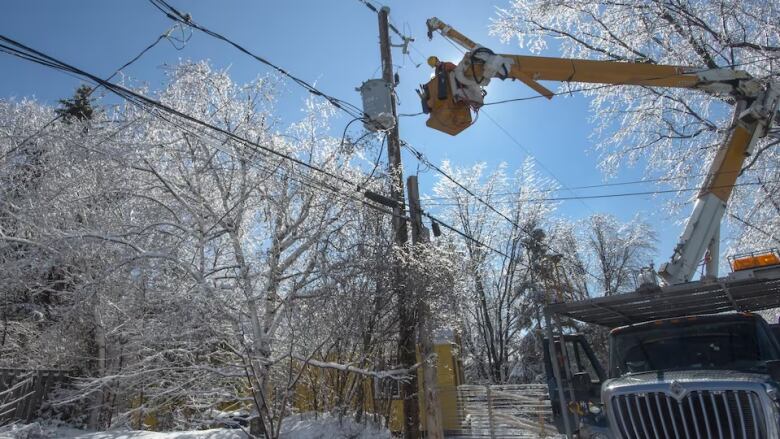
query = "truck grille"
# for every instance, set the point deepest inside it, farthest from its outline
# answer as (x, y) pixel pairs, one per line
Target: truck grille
(732, 414)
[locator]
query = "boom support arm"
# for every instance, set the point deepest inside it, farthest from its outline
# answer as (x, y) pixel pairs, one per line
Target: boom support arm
(752, 120)
(457, 89)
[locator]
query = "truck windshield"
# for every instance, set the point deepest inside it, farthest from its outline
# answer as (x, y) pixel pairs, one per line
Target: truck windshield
(731, 344)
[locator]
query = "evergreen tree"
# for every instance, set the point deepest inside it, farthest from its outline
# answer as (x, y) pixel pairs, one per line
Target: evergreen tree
(79, 107)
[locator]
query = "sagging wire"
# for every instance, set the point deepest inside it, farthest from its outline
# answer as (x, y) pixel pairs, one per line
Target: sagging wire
(186, 19)
(419, 155)
(626, 194)
(164, 35)
(158, 109)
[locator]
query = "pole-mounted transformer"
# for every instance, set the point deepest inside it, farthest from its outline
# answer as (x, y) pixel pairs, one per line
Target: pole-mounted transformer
(377, 105)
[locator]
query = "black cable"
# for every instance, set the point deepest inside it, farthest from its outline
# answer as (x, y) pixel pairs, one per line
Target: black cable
(150, 104)
(138, 98)
(620, 183)
(174, 14)
(390, 25)
(755, 227)
(530, 154)
(623, 194)
(376, 163)
(186, 19)
(344, 134)
(59, 116)
(517, 226)
(463, 234)
(530, 98)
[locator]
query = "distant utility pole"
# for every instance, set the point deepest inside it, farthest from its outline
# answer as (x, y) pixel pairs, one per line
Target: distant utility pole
(433, 422)
(407, 355)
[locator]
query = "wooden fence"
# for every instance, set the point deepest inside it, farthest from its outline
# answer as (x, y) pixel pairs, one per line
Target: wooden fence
(23, 391)
(503, 412)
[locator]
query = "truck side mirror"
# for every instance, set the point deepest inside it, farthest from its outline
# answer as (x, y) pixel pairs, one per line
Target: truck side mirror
(773, 367)
(582, 383)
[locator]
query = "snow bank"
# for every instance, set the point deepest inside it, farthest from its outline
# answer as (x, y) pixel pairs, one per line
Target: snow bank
(36, 431)
(326, 426)
(305, 426)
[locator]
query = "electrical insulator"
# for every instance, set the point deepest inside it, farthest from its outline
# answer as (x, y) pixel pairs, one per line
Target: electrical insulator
(377, 104)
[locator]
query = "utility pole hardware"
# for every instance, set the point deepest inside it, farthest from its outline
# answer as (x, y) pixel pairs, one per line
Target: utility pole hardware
(433, 417)
(407, 354)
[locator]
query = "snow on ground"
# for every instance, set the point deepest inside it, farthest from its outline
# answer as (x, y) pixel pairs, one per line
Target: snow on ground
(35, 431)
(305, 426)
(326, 426)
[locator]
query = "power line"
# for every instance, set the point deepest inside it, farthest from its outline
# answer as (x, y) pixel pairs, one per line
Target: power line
(174, 14)
(146, 103)
(149, 104)
(567, 92)
(619, 183)
(755, 227)
(46, 60)
(392, 27)
(517, 226)
(465, 235)
(186, 19)
(162, 36)
(530, 154)
(624, 194)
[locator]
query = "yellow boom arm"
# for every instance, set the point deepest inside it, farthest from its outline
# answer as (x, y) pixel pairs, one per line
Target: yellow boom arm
(455, 90)
(466, 80)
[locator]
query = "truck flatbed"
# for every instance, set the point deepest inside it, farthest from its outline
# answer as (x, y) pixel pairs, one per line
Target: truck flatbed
(750, 291)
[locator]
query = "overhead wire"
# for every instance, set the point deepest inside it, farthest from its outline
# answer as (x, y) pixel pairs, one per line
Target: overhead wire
(174, 14)
(146, 101)
(157, 109)
(391, 25)
(180, 17)
(618, 183)
(535, 159)
(492, 208)
(164, 35)
(186, 19)
(624, 194)
(150, 104)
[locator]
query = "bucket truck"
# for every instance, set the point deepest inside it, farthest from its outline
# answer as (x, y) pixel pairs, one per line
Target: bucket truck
(457, 90)
(686, 358)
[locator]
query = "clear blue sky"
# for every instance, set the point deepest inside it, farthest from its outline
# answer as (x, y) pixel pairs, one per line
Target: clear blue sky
(335, 44)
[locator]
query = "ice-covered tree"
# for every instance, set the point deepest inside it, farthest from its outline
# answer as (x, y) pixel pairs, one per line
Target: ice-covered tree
(175, 269)
(672, 133)
(501, 295)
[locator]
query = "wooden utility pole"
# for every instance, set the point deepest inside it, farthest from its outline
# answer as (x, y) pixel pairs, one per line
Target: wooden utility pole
(407, 355)
(433, 422)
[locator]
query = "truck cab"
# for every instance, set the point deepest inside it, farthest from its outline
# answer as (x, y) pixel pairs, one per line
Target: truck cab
(686, 361)
(703, 376)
